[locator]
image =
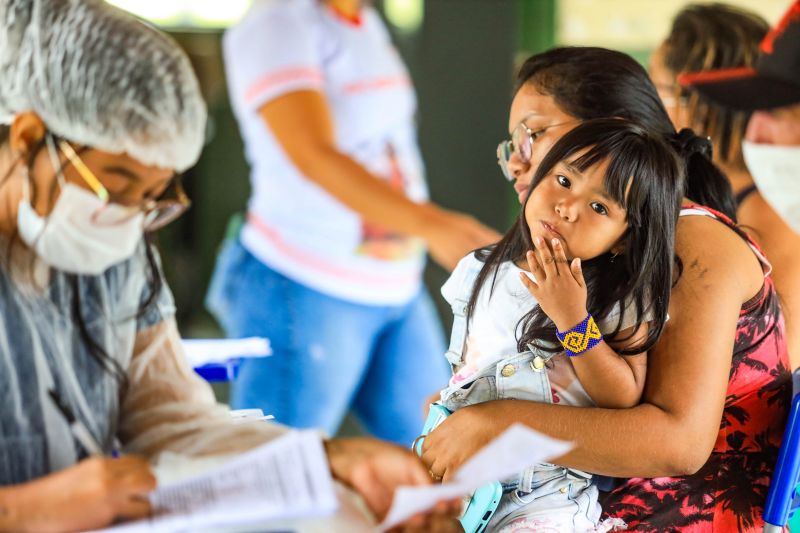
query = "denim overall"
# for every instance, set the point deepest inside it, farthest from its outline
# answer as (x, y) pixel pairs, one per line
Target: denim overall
(542, 490)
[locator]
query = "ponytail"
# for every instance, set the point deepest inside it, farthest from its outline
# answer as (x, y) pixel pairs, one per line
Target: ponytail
(705, 183)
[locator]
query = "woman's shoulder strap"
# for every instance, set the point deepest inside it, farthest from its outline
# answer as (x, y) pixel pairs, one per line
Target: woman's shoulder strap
(701, 210)
(745, 193)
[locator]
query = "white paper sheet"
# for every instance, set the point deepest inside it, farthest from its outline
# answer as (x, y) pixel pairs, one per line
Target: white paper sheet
(245, 416)
(201, 352)
(512, 452)
(288, 477)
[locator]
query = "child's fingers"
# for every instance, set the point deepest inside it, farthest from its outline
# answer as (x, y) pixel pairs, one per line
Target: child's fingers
(528, 282)
(546, 258)
(577, 271)
(534, 266)
(560, 255)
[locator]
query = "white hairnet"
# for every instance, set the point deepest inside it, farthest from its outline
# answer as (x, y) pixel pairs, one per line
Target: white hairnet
(100, 77)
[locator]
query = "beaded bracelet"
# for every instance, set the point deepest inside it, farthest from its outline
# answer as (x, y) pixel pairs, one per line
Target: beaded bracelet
(580, 338)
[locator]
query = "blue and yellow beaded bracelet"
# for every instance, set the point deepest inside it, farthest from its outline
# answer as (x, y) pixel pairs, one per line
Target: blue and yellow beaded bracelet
(580, 338)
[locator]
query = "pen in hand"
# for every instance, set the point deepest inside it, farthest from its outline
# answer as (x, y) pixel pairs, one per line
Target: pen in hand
(78, 429)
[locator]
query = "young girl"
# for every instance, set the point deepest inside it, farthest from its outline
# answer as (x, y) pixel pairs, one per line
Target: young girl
(564, 308)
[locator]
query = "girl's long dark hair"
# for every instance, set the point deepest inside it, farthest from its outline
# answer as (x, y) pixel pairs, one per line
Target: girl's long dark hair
(645, 177)
(590, 82)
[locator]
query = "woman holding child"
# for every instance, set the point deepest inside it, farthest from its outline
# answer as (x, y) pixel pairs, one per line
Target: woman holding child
(698, 451)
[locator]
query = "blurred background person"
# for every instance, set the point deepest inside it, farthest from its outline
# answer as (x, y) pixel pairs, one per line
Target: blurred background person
(328, 264)
(772, 91)
(706, 37)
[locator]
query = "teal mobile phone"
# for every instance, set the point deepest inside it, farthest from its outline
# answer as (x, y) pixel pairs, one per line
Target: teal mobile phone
(484, 501)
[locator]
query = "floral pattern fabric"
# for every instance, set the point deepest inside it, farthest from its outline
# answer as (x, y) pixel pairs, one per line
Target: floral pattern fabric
(729, 491)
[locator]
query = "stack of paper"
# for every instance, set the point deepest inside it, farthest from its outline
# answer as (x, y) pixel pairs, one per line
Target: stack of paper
(244, 416)
(288, 477)
(201, 352)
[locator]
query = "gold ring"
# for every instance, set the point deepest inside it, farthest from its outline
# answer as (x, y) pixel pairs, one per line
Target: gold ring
(434, 477)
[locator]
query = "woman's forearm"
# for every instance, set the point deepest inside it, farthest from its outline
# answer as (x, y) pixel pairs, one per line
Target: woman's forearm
(167, 407)
(643, 441)
(8, 517)
(373, 199)
(303, 125)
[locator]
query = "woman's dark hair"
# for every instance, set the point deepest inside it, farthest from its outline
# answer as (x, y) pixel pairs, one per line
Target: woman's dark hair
(590, 83)
(645, 177)
(710, 37)
(154, 282)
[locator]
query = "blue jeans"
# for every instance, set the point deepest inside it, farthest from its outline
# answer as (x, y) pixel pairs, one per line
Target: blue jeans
(329, 355)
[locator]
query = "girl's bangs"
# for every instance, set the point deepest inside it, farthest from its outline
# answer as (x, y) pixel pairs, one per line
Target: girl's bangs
(623, 165)
(630, 152)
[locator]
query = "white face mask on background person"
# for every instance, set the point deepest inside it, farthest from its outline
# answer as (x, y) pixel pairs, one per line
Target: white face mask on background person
(776, 172)
(69, 240)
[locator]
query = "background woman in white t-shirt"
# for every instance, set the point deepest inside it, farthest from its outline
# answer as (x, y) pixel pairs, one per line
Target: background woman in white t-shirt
(328, 264)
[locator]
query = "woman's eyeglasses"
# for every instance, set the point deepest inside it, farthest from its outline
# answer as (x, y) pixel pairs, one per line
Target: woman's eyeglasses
(158, 212)
(521, 143)
(672, 94)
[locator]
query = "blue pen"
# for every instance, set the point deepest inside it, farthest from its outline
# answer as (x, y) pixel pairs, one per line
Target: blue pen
(115, 448)
(78, 429)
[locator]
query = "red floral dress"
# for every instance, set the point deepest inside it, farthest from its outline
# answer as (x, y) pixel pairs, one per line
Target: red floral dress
(729, 491)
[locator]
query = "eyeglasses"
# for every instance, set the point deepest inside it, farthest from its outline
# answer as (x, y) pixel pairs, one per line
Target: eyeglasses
(672, 94)
(521, 143)
(158, 212)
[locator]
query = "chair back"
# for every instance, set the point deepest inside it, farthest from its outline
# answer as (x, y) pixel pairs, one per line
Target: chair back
(782, 500)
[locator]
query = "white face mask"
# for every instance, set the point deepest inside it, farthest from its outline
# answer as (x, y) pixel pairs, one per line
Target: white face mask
(776, 171)
(70, 241)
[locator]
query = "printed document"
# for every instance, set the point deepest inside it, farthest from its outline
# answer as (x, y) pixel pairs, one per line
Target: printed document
(285, 478)
(512, 452)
